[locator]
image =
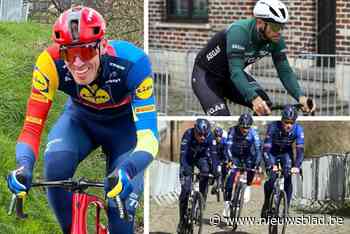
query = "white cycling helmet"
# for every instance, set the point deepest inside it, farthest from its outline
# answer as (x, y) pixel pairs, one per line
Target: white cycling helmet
(271, 10)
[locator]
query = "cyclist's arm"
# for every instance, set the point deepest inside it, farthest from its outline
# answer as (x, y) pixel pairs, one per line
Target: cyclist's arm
(143, 104)
(237, 41)
(184, 151)
(267, 146)
(44, 86)
(257, 146)
(285, 72)
(228, 145)
(299, 146)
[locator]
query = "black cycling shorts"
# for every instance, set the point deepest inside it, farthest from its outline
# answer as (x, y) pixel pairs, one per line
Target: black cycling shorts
(212, 91)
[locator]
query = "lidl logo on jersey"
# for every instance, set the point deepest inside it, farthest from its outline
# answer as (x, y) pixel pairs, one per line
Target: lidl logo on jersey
(94, 94)
(40, 81)
(145, 89)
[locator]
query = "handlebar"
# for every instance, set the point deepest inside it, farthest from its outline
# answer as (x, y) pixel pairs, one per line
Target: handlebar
(73, 185)
(297, 106)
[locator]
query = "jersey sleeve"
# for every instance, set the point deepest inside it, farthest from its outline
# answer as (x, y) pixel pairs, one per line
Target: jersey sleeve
(257, 146)
(237, 42)
(299, 146)
(285, 72)
(144, 115)
(228, 145)
(44, 86)
(267, 145)
(184, 151)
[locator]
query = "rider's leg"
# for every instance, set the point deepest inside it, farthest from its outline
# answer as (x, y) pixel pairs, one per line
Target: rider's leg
(203, 165)
(208, 92)
(286, 160)
(268, 186)
(68, 144)
(232, 93)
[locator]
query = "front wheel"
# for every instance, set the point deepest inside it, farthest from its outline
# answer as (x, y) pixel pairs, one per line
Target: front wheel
(278, 209)
(237, 204)
(196, 218)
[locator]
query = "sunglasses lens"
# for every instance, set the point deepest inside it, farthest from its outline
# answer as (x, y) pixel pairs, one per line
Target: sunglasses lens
(84, 52)
(276, 27)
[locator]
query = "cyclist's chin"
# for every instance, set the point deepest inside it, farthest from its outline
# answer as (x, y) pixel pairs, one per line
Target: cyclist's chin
(275, 39)
(84, 80)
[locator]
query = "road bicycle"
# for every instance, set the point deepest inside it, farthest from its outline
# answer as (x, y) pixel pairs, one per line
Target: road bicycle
(194, 214)
(277, 211)
(81, 202)
(238, 197)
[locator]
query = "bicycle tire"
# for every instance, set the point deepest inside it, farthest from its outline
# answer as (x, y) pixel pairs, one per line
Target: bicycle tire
(278, 208)
(197, 213)
(237, 204)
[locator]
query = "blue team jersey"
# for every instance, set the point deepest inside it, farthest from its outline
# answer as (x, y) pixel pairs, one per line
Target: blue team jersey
(278, 142)
(239, 145)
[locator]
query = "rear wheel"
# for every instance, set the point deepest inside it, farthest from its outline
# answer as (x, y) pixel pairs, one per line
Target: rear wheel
(278, 210)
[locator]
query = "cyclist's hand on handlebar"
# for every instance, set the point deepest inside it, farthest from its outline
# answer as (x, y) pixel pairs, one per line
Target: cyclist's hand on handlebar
(260, 107)
(118, 183)
(295, 170)
(19, 180)
(309, 104)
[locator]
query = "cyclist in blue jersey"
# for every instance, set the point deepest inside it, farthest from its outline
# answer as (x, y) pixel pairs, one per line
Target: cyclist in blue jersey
(111, 104)
(242, 148)
(197, 149)
(219, 159)
(278, 145)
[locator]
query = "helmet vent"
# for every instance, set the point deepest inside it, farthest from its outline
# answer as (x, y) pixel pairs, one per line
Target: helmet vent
(57, 35)
(283, 12)
(273, 11)
(96, 30)
(74, 28)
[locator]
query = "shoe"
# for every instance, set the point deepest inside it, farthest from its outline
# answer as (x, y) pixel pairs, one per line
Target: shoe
(226, 211)
(213, 190)
(179, 227)
(247, 193)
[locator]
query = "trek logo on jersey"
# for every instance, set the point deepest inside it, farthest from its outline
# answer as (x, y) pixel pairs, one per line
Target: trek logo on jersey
(145, 89)
(213, 53)
(216, 108)
(40, 81)
(238, 47)
(94, 94)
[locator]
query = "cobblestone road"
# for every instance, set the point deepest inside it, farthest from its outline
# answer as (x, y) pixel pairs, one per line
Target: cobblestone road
(164, 219)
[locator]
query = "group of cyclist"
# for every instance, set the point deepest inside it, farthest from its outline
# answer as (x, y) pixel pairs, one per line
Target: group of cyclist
(209, 149)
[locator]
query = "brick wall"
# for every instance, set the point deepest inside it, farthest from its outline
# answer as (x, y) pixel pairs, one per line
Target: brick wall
(343, 27)
(300, 32)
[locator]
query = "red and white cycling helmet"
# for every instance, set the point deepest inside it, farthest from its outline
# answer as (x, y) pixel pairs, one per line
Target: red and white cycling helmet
(78, 25)
(272, 11)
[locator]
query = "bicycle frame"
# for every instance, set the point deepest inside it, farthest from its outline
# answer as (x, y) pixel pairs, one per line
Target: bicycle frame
(80, 206)
(81, 201)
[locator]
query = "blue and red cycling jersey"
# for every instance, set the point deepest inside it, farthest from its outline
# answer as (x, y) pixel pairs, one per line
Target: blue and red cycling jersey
(124, 86)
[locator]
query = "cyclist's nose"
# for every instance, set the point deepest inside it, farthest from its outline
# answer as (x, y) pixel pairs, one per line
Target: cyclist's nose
(78, 62)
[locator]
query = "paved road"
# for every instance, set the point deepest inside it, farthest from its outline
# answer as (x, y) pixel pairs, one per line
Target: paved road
(164, 219)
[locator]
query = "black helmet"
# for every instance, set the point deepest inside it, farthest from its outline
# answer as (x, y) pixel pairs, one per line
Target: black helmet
(245, 121)
(289, 113)
(218, 132)
(202, 127)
